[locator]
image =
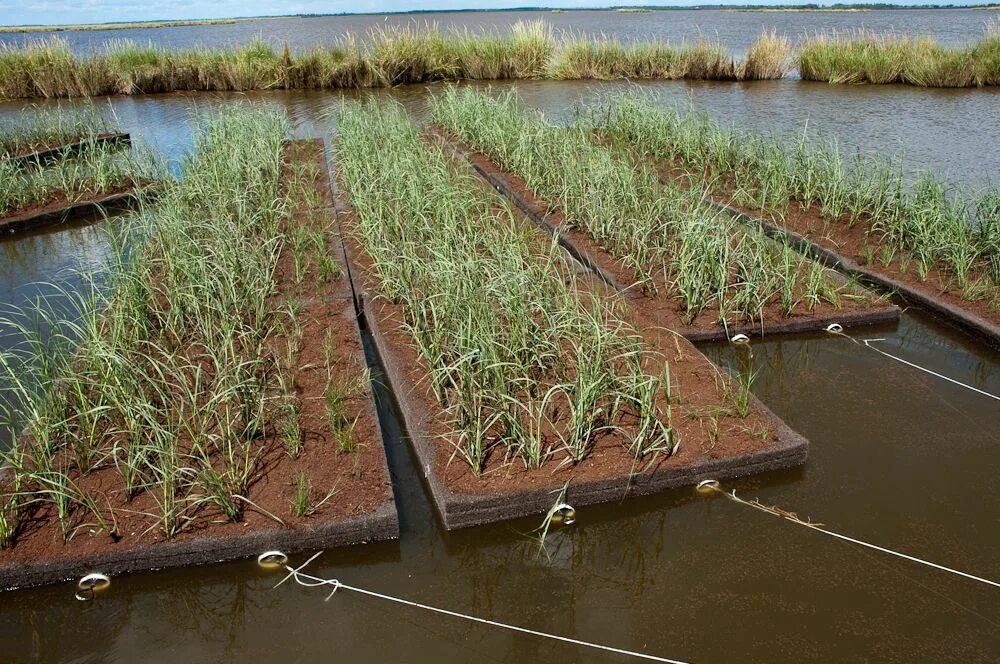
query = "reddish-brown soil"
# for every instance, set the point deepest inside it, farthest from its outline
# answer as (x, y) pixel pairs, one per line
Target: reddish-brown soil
(359, 479)
(847, 238)
(665, 307)
(59, 208)
(704, 415)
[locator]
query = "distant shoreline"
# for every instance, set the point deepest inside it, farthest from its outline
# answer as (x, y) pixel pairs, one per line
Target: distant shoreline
(129, 25)
(134, 25)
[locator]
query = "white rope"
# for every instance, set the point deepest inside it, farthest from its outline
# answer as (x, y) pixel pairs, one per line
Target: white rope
(791, 516)
(867, 343)
(311, 581)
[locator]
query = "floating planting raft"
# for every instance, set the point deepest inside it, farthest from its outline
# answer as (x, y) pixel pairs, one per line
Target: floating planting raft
(688, 267)
(517, 374)
(215, 400)
(53, 182)
(931, 246)
(46, 154)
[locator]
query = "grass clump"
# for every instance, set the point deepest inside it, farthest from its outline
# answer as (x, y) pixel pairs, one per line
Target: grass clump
(528, 364)
(669, 237)
(607, 58)
(928, 224)
(862, 57)
(770, 57)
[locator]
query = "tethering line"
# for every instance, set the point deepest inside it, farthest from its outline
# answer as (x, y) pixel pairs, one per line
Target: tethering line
(835, 328)
(311, 581)
(713, 485)
(867, 343)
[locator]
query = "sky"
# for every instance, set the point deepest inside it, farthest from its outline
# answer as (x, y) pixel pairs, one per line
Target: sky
(52, 12)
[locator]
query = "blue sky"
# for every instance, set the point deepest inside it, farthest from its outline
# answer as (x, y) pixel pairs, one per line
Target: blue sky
(24, 12)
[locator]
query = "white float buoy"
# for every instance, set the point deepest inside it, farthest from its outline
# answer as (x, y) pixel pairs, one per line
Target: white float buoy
(706, 486)
(563, 513)
(740, 339)
(835, 328)
(90, 584)
(272, 559)
(94, 581)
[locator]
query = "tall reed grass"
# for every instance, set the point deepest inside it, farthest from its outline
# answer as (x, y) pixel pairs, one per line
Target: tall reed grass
(528, 364)
(667, 235)
(930, 223)
(383, 57)
(863, 57)
(166, 375)
(608, 58)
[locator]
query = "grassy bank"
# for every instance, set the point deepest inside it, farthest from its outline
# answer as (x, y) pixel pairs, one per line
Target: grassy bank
(385, 57)
(529, 50)
(870, 58)
(527, 363)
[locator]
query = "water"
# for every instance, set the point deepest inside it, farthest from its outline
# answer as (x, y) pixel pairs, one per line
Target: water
(898, 458)
(737, 30)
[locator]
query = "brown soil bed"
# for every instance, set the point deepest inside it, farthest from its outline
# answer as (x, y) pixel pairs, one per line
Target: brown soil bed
(715, 441)
(840, 244)
(362, 508)
(42, 153)
(62, 209)
(857, 307)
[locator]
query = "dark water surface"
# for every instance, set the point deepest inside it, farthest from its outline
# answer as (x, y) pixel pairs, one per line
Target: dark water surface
(736, 30)
(898, 458)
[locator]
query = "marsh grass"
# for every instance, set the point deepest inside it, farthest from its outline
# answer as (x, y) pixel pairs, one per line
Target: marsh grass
(863, 57)
(303, 503)
(385, 56)
(608, 58)
(670, 238)
(929, 223)
(770, 57)
(528, 365)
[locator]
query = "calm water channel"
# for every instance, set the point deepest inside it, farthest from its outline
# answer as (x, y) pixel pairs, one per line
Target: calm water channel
(898, 458)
